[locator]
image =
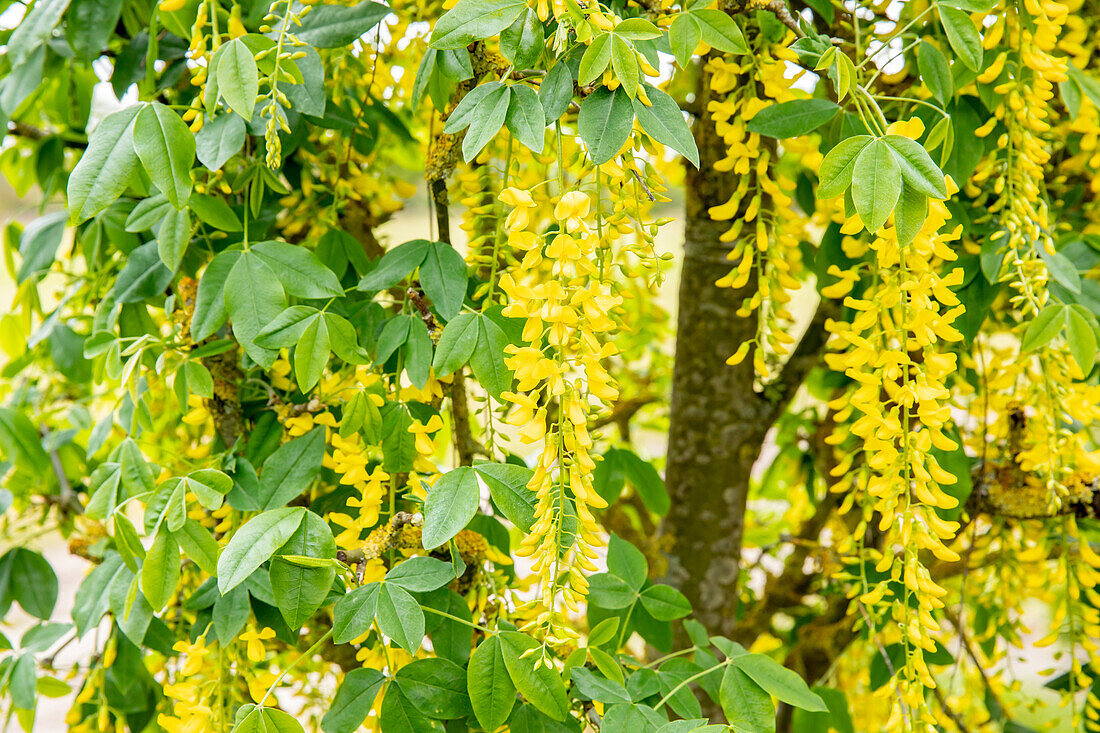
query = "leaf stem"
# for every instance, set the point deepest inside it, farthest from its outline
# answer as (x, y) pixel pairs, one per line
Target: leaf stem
(316, 645)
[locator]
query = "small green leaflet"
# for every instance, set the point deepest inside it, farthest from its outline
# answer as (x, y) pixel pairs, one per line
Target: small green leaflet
(335, 26)
(794, 118)
(876, 184)
(665, 123)
(254, 543)
(451, 504)
(604, 123)
(472, 20)
(166, 149)
(492, 693)
(234, 78)
(106, 168)
(962, 35)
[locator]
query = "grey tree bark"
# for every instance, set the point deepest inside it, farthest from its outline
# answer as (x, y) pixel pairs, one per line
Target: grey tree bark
(718, 420)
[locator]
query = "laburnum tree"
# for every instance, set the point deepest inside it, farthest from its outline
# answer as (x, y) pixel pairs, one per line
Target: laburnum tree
(326, 478)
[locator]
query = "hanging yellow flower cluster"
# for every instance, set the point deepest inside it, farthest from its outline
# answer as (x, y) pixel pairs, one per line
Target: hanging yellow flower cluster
(762, 201)
(1025, 74)
(557, 378)
(893, 350)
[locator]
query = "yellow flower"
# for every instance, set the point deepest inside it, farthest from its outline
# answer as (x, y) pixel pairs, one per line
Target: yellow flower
(255, 639)
(423, 443)
(572, 209)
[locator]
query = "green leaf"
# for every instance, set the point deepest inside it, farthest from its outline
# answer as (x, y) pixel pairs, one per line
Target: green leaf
(32, 582)
(464, 112)
(626, 561)
(354, 698)
(611, 592)
(779, 681)
(299, 270)
(335, 26)
(665, 603)
(300, 591)
(719, 31)
(492, 693)
(398, 444)
(421, 574)
(291, 469)
(541, 685)
(173, 236)
(253, 298)
(400, 617)
(311, 354)
(917, 168)
(343, 340)
(52, 687)
(508, 486)
(34, 29)
(354, 613)
(166, 149)
(399, 715)
(839, 717)
(625, 64)
(287, 328)
(199, 545)
(237, 78)
(144, 276)
(665, 123)
(598, 688)
(418, 353)
(963, 36)
(935, 72)
(794, 118)
(38, 244)
(230, 614)
(1062, 269)
(487, 360)
(1081, 336)
(254, 543)
(21, 442)
(485, 121)
(450, 506)
(1088, 85)
(395, 265)
(436, 687)
(21, 679)
(210, 308)
(219, 140)
(92, 599)
(106, 168)
(393, 336)
(443, 276)
(89, 25)
(746, 705)
(456, 343)
(216, 213)
(526, 119)
(523, 41)
(556, 91)
(604, 123)
(684, 36)
(910, 214)
(160, 573)
(1044, 327)
(127, 541)
(472, 20)
(268, 720)
(876, 184)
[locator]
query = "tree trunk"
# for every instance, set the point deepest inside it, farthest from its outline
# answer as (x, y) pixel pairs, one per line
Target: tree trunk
(717, 421)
